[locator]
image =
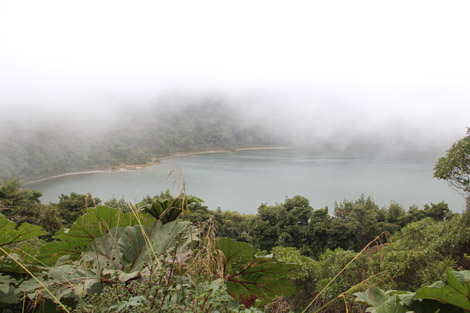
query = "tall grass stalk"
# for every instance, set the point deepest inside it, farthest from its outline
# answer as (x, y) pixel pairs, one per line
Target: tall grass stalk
(36, 279)
(340, 272)
(344, 294)
(345, 303)
(24, 302)
(147, 239)
(208, 261)
(51, 268)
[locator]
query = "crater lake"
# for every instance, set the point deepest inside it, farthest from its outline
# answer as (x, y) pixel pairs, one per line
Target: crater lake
(241, 181)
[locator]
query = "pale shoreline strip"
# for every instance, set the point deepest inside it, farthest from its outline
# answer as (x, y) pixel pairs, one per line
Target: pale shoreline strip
(141, 166)
(67, 174)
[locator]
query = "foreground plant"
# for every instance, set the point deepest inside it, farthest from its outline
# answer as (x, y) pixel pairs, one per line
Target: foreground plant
(167, 208)
(124, 253)
(96, 223)
(175, 282)
(163, 292)
(450, 295)
(251, 279)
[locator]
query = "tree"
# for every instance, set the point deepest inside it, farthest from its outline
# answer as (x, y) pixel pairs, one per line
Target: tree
(395, 214)
(230, 224)
(23, 206)
(437, 212)
(356, 223)
(286, 224)
(120, 204)
(454, 167)
(14, 200)
(72, 206)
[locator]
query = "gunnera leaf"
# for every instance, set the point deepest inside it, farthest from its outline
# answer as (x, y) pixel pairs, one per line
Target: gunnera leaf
(253, 279)
(96, 223)
(456, 293)
(131, 248)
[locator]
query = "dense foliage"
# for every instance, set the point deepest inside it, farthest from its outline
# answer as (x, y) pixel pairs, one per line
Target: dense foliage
(295, 223)
(451, 295)
(23, 206)
(110, 260)
(169, 243)
(166, 208)
(172, 254)
(454, 167)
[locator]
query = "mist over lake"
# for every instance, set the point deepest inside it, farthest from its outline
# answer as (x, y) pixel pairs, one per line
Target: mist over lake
(242, 180)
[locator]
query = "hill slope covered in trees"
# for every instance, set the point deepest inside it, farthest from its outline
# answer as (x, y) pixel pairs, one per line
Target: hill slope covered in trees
(131, 137)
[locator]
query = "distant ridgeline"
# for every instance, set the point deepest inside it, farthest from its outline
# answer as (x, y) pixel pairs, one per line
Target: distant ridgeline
(136, 137)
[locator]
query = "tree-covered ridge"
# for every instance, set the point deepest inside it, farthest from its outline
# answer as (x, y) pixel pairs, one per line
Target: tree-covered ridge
(133, 138)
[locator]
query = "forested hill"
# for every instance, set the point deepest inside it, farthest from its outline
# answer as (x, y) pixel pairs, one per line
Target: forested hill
(131, 136)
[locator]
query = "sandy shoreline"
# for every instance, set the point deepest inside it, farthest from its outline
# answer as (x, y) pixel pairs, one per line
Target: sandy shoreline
(264, 148)
(133, 167)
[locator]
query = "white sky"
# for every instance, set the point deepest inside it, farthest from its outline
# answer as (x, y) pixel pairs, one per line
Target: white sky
(387, 58)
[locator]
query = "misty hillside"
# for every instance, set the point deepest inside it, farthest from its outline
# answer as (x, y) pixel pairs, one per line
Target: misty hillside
(133, 137)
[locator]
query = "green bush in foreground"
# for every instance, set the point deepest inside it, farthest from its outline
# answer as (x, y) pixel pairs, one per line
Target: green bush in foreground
(109, 261)
(450, 295)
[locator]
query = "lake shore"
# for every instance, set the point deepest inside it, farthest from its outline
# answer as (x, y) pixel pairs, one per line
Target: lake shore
(133, 167)
(185, 154)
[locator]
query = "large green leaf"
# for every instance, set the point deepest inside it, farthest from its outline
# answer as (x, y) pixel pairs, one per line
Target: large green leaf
(21, 244)
(9, 235)
(250, 277)
(120, 254)
(65, 281)
(129, 249)
(393, 301)
(381, 301)
(8, 291)
(94, 224)
(69, 281)
(373, 296)
(455, 293)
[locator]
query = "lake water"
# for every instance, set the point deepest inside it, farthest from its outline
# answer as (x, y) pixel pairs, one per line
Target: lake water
(241, 181)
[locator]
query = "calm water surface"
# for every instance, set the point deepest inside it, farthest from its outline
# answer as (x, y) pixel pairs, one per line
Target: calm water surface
(241, 181)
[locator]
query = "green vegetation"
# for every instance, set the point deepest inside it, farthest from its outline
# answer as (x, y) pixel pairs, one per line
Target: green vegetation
(145, 258)
(455, 167)
(135, 138)
(172, 254)
(451, 295)
(23, 206)
(166, 208)
(71, 207)
(295, 223)
(250, 278)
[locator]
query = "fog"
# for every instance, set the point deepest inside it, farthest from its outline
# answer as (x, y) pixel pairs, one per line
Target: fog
(356, 74)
